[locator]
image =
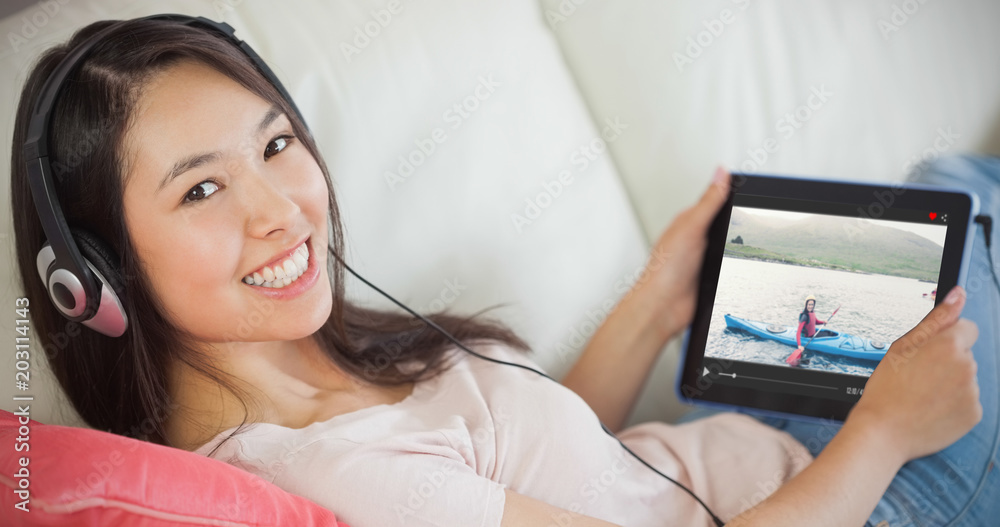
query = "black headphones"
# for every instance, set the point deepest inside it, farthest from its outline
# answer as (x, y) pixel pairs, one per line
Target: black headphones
(80, 272)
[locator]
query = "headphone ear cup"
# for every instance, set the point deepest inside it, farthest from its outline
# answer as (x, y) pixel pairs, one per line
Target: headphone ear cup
(99, 255)
(110, 319)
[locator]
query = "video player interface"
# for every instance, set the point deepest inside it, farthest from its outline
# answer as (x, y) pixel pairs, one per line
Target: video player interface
(808, 303)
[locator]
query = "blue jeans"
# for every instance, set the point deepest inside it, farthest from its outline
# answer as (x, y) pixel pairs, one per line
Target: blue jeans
(960, 485)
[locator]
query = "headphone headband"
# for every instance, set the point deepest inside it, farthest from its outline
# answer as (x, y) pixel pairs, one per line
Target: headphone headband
(79, 293)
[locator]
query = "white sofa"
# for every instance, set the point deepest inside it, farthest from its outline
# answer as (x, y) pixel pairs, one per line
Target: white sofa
(632, 102)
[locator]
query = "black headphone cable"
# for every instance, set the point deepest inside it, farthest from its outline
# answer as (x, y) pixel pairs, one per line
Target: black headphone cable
(718, 522)
(982, 219)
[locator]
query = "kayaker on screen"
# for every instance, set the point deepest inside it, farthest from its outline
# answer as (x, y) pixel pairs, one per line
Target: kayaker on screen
(807, 322)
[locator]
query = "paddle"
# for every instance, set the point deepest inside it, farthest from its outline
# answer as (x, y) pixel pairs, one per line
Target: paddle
(796, 356)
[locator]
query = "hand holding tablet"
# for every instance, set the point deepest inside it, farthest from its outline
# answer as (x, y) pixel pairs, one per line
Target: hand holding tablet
(837, 270)
(924, 393)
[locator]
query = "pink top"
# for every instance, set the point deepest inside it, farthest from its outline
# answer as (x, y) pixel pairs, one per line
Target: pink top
(444, 455)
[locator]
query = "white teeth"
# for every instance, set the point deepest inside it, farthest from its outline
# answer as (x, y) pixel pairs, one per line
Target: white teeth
(283, 274)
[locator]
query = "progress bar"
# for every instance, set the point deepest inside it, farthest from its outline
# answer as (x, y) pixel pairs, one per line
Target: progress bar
(733, 375)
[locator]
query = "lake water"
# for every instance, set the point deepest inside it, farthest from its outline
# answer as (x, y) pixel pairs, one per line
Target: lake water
(878, 307)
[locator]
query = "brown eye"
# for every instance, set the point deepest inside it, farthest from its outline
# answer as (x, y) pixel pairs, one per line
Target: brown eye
(276, 145)
(201, 191)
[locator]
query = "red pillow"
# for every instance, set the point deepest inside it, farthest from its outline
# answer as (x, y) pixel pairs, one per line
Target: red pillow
(78, 476)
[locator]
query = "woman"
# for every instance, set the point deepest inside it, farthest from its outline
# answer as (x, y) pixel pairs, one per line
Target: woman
(807, 329)
(807, 322)
(203, 180)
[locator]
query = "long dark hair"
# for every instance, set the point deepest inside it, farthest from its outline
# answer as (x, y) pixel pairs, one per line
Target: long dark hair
(805, 307)
(121, 384)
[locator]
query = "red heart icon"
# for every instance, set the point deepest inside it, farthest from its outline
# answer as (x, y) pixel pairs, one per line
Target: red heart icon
(933, 215)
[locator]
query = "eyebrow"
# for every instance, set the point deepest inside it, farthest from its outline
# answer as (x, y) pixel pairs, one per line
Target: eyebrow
(196, 160)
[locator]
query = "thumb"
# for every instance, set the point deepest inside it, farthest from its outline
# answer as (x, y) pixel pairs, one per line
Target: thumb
(715, 195)
(941, 317)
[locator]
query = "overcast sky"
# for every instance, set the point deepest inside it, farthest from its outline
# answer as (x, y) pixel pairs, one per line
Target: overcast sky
(934, 233)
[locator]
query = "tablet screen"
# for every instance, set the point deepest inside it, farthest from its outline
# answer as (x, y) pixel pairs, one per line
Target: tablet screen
(841, 283)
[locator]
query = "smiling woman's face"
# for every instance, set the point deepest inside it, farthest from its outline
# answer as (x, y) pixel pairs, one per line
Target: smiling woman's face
(218, 194)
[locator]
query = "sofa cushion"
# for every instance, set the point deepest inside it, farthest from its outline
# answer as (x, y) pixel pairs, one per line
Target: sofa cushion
(83, 477)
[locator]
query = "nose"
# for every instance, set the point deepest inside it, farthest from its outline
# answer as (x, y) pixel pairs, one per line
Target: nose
(269, 205)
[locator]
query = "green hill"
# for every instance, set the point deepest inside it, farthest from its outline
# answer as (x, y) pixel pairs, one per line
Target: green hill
(835, 242)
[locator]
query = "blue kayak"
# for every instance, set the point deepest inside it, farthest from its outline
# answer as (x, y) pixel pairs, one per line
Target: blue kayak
(829, 341)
